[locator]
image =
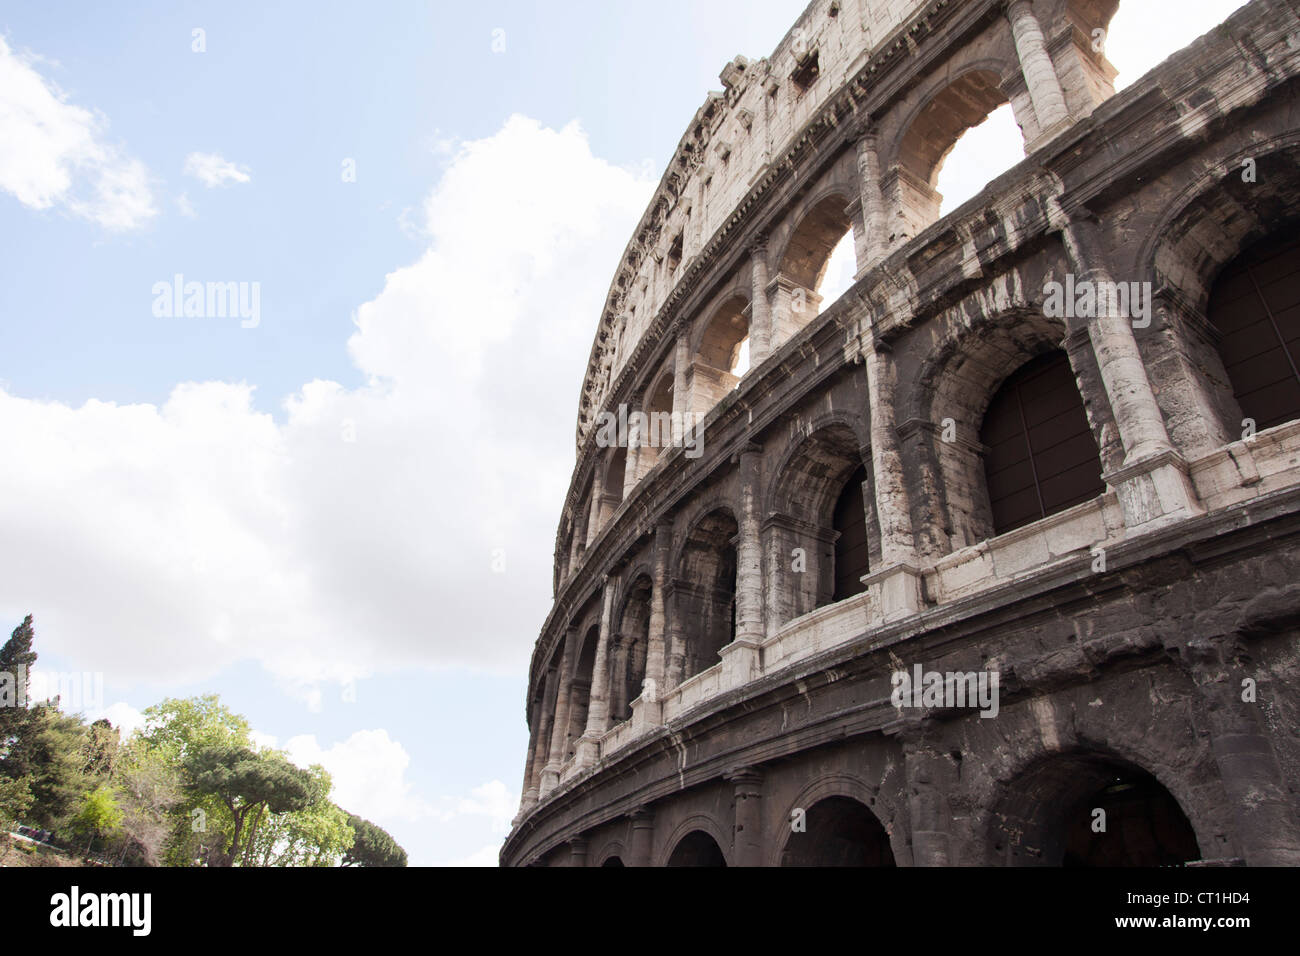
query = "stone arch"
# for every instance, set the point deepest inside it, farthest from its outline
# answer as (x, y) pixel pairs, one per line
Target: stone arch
(1255, 308)
(661, 433)
(936, 116)
(615, 481)
(838, 831)
(716, 348)
(1040, 457)
(812, 481)
(584, 666)
(627, 661)
(821, 224)
(609, 852)
(706, 827)
(1218, 215)
(704, 594)
(1045, 815)
(849, 787)
(948, 401)
(802, 261)
(1209, 225)
(582, 518)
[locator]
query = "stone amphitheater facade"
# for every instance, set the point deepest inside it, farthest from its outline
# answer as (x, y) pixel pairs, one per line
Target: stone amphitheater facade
(1092, 512)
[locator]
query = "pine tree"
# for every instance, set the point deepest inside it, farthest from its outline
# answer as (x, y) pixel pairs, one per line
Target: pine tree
(16, 660)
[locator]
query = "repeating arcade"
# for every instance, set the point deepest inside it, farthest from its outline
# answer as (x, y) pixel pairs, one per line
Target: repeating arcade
(940, 469)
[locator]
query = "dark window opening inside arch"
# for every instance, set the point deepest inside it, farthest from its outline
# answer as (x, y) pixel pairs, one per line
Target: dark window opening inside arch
(1255, 306)
(1041, 457)
(697, 848)
(852, 549)
(839, 831)
(1144, 826)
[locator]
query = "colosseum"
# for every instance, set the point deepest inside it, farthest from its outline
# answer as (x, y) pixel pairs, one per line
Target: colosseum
(995, 559)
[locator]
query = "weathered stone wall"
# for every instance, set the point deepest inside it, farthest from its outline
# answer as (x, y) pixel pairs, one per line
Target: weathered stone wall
(1122, 628)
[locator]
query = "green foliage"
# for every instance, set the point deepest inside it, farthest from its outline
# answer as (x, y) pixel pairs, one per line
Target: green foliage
(200, 822)
(15, 803)
(179, 727)
(103, 743)
(150, 790)
(250, 784)
(98, 817)
(50, 753)
(373, 846)
(16, 659)
(189, 786)
(318, 835)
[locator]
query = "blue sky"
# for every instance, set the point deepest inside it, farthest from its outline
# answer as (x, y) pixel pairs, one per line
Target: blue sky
(307, 511)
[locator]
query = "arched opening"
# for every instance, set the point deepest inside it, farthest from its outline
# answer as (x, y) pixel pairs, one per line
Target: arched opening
(580, 690)
(1255, 307)
(613, 861)
(852, 549)
(1091, 810)
(818, 261)
(838, 831)
(1041, 457)
(615, 478)
(581, 521)
(705, 592)
(628, 663)
(697, 848)
(823, 530)
(722, 356)
(1144, 826)
(659, 425)
(980, 155)
(964, 103)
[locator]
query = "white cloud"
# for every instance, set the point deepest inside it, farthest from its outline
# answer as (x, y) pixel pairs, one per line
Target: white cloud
(369, 774)
(53, 154)
(164, 543)
(492, 800)
(212, 170)
(262, 741)
(369, 770)
(185, 206)
(122, 716)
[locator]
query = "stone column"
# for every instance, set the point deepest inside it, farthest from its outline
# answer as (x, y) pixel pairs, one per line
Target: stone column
(547, 720)
(896, 584)
(1153, 484)
(875, 226)
(576, 546)
(748, 832)
(1267, 822)
(560, 730)
(1040, 72)
(656, 658)
(927, 776)
(631, 463)
(676, 641)
(643, 831)
(760, 319)
(597, 502)
(780, 292)
(598, 709)
(740, 658)
(529, 792)
(681, 389)
(577, 852)
(1137, 414)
